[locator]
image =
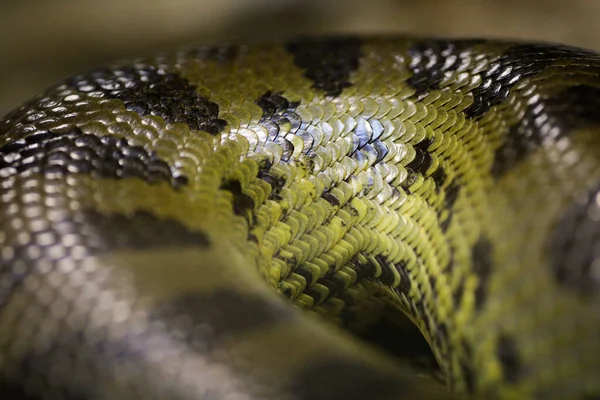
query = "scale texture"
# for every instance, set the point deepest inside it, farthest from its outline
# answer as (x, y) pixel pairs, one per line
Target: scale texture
(214, 223)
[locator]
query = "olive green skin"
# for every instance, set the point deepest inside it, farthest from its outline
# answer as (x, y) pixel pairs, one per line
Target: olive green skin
(201, 224)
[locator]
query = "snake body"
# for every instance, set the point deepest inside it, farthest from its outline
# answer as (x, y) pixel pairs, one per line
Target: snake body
(202, 224)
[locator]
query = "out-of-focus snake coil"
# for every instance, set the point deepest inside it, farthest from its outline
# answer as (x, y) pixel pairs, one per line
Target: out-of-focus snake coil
(164, 221)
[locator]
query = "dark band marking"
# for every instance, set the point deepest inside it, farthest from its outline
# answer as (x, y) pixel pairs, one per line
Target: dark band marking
(574, 246)
(228, 312)
(151, 90)
(141, 230)
(77, 153)
(346, 379)
(431, 59)
(516, 63)
(328, 63)
(481, 259)
(574, 108)
(96, 233)
(508, 356)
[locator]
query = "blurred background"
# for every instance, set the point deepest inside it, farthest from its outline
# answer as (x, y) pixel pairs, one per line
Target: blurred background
(43, 41)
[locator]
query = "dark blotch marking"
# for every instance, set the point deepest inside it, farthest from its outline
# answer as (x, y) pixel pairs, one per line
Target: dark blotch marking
(243, 205)
(422, 161)
(141, 230)
(457, 294)
(305, 273)
(469, 377)
(439, 177)
(368, 269)
(276, 182)
(363, 269)
(328, 63)
(77, 153)
(405, 281)
(451, 195)
(516, 63)
(98, 234)
(316, 295)
(402, 339)
(574, 108)
(151, 90)
(387, 273)
(574, 246)
(331, 199)
(228, 312)
(508, 356)
(339, 378)
(431, 59)
(467, 370)
(335, 285)
(273, 104)
(481, 259)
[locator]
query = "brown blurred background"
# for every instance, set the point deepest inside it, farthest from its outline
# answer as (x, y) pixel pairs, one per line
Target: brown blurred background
(42, 41)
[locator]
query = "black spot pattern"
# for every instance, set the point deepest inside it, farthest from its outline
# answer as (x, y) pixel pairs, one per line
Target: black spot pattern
(574, 246)
(508, 357)
(229, 312)
(328, 63)
(481, 258)
(243, 204)
(575, 107)
(348, 379)
(517, 63)
(431, 59)
(77, 153)
(151, 90)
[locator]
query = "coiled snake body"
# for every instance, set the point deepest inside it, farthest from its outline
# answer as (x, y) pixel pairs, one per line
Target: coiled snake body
(163, 220)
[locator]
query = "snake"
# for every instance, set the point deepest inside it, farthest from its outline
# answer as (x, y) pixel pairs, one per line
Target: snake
(241, 222)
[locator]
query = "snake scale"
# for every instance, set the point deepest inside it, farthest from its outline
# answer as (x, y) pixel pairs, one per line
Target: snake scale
(202, 224)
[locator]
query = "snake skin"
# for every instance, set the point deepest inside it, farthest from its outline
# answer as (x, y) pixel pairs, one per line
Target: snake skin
(163, 222)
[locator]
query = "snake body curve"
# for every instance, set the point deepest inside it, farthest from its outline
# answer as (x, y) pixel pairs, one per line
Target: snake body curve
(163, 220)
